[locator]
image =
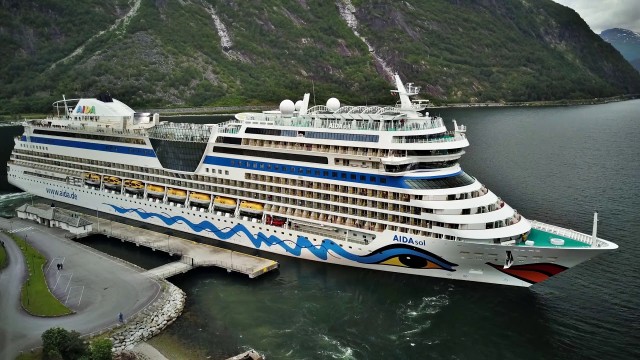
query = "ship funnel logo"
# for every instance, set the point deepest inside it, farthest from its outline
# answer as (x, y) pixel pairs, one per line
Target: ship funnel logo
(85, 109)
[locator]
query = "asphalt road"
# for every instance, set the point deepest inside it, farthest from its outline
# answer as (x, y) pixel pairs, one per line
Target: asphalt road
(95, 286)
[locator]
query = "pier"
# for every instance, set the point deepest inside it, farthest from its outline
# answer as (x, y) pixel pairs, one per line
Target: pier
(192, 254)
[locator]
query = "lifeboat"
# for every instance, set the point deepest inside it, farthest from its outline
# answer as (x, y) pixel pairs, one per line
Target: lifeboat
(177, 194)
(223, 203)
(111, 182)
(91, 179)
(155, 190)
(251, 207)
(200, 198)
(133, 186)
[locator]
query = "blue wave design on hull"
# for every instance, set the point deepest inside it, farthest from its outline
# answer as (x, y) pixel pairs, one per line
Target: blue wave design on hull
(321, 251)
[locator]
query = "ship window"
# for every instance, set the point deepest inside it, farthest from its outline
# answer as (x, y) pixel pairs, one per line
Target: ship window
(334, 174)
(343, 175)
(363, 177)
(372, 179)
(325, 173)
(383, 180)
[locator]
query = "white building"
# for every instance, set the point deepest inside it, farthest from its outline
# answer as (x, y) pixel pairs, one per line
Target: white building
(52, 216)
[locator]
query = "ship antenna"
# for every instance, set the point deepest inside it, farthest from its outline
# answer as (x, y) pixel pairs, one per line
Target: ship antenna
(313, 89)
(66, 110)
(594, 239)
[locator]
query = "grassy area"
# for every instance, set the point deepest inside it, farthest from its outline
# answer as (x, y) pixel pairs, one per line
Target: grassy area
(3, 257)
(36, 298)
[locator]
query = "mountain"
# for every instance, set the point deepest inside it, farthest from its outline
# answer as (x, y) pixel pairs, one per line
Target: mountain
(230, 52)
(627, 42)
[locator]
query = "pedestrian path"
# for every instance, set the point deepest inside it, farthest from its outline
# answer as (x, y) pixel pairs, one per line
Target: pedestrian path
(169, 270)
(192, 253)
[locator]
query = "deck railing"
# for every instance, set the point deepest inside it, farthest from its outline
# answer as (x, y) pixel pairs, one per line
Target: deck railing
(571, 234)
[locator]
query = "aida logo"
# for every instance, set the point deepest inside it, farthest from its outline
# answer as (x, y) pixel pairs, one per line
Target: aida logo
(408, 240)
(85, 110)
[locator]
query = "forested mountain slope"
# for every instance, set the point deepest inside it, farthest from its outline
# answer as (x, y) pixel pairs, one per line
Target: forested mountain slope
(206, 52)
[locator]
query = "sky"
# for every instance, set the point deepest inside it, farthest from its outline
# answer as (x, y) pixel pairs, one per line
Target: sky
(606, 14)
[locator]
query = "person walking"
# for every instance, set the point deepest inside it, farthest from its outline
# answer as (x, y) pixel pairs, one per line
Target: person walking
(121, 317)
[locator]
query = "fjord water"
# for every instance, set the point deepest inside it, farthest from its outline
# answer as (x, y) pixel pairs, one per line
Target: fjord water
(554, 164)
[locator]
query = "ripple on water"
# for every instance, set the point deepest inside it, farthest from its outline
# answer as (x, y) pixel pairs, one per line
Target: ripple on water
(334, 349)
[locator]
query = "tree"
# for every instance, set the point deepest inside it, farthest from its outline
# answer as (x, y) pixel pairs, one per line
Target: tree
(101, 349)
(58, 343)
(52, 341)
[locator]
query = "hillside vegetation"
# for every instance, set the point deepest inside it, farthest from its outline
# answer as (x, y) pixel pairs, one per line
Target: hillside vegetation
(230, 52)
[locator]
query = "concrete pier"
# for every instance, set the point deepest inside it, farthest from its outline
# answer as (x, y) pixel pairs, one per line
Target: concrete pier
(192, 254)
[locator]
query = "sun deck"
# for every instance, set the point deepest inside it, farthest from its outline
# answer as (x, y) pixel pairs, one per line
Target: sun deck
(542, 238)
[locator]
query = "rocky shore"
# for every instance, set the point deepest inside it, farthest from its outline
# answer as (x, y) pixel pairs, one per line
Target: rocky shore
(150, 321)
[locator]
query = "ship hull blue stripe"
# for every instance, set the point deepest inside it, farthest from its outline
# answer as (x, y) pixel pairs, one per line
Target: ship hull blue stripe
(320, 173)
(92, 146)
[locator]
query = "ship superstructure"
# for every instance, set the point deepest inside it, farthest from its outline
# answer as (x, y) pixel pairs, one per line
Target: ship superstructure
(377, 187)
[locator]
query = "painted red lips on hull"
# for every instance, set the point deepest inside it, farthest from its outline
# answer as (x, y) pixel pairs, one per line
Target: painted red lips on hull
(531, 273)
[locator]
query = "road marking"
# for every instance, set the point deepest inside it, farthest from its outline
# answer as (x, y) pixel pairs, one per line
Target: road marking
(59, 276)
(21, 229)
(71, 289)
(53, 260)
(69, 283)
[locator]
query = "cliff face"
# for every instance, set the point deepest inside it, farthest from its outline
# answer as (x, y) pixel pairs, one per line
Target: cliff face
(205, 52)
(627, 42)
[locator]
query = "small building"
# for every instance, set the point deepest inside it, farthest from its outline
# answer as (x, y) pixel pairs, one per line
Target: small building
(52, 216)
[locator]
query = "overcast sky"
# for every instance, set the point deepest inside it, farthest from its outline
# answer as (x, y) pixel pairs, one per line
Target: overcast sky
(607, 14)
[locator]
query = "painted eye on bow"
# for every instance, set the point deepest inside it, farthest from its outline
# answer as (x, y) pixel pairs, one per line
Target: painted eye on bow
(410, 261)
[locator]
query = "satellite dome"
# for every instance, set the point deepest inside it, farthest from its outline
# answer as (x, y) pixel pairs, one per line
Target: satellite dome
(298, 105)
(287, 107)
(333, 104)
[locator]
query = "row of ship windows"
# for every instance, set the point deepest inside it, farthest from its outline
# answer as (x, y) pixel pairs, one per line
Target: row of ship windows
(347, 150)
(364, 223)
(302, 170)
(76, 163)
(31, 146)
(192, 212)
(343, 136)
(119, 139)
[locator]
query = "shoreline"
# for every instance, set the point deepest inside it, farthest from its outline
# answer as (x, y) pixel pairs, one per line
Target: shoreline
(232, 110)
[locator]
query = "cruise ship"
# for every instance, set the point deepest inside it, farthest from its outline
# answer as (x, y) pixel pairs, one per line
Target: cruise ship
(375, 187)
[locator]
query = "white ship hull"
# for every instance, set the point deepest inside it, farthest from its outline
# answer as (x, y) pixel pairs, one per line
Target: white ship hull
(392, 251)
(376, 187)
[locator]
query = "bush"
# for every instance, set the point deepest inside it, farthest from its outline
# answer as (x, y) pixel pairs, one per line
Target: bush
(58, 343)
(101, 349)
